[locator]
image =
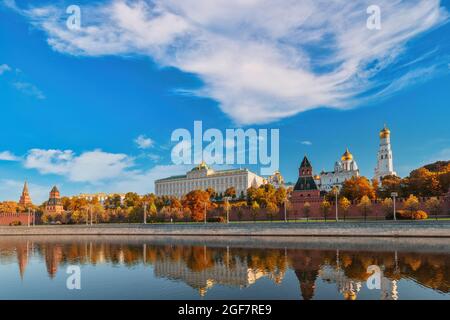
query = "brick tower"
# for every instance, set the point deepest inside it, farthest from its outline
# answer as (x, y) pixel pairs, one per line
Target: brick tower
(25, 199)
(54, 204)
(305, 189)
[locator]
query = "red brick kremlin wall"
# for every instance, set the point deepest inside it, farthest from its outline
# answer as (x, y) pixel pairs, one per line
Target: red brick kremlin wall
(7, 218)
(296, 212)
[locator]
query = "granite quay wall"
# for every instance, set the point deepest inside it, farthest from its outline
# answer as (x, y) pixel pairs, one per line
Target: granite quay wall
(421, 229)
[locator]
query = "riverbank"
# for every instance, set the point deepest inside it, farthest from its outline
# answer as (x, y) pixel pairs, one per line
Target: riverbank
(420, 229)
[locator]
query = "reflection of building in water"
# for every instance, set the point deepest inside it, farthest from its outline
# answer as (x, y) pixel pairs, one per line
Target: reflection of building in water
(238, 274)
(53, 257)
(350, 288)
(22, 257)
(346, 286)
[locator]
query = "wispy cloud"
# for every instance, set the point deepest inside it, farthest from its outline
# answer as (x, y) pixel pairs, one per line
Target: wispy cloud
(8, 156)
(4, 68)
(143, 142)
(261, 60)
(306, 143)
(29, 89)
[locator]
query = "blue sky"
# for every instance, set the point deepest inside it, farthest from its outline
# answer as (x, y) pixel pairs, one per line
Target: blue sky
(93, 110)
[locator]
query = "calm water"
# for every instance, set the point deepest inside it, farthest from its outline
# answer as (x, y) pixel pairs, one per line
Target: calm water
(140, 268)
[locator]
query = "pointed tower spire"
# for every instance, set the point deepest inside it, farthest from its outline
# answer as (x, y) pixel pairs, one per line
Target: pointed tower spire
(25, 199)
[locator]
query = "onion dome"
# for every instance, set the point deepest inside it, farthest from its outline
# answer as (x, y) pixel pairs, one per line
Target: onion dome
(347, 156)
(385, 133)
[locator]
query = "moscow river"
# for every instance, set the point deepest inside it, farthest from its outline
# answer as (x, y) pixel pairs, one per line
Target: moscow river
(121, 267)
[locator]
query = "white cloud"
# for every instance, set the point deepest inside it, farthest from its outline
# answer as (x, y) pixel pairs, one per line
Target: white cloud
(306, 143)
(261, 60)
(4, 68)
(29, 89)
(92, 166)
(8, 156)
(143, 142)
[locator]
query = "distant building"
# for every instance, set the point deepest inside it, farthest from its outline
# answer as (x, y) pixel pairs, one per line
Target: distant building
(25, 199)
(101, 196)
(203, 177)
(343, 171)
(306, 188)
(276, 180)
(54, 204)
(385, 165)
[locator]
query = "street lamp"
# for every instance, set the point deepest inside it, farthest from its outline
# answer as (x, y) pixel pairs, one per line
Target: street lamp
(145, 212)
(205, 212)
(336, 193)
(394, 195)
(227, 199)
(285, 205)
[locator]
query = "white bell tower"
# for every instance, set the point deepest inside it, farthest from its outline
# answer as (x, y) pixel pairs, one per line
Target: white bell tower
(385, 166)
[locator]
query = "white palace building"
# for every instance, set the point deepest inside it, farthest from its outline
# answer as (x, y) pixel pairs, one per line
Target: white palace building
(203, 177)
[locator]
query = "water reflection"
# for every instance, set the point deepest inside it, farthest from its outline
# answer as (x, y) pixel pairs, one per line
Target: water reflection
(204, 268)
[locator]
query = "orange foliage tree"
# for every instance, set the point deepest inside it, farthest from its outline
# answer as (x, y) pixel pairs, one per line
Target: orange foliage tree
(198, 201)
(356, 188)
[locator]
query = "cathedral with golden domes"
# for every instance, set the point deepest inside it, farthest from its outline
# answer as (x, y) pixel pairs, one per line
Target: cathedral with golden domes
(344, 170)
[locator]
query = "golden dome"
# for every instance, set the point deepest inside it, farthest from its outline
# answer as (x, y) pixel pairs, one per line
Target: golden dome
(385, 133)
(347, 156)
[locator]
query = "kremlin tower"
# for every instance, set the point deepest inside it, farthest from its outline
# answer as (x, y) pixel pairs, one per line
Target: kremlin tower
(385, 166)
(25, 199)
(54, 204)
(305, 189)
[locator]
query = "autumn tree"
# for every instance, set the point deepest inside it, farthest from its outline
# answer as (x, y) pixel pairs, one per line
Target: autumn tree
(434, 206)
(344, 204)
(254, 210)
(199, 202)
(230, 192)
(387, 206)
(325, 207)
(356, 188)
(365, 205)
(271, 209)
(411, 204)
(280, 196)
(306, 210)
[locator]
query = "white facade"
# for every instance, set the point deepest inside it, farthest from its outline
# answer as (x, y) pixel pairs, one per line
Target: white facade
(203, 177)
(385, 166)
(101, 196)
(343, 171)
